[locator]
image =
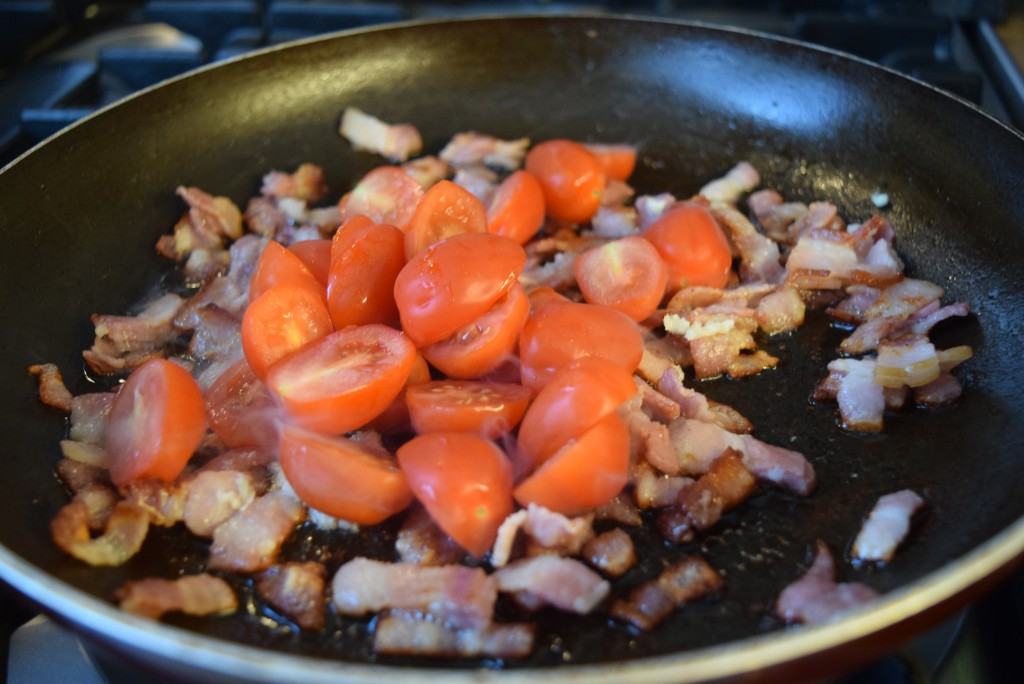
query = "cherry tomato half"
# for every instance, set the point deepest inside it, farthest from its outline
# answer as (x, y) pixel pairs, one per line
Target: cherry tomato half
(446, 210)
(365, 260)
(279, 322)
(626, 274)
(618, 161)
(316, 255)
(279, 266)
(387, 194)
(240, 409)
(571, 177)
(692, 245)
(485, 408)
(395, 417)
(517, 209)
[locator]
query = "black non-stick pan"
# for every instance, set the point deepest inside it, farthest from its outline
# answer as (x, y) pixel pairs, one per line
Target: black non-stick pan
(80, 214)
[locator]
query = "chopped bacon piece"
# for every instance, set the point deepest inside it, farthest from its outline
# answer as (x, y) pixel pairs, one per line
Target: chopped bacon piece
(76, 475)
(886, 526)
(409, 633)
(653, 362)
(717, 336)
(943, 390)
(685, 581)
(656, 490)
(774, 214)
(89, 416)
(396, 142)
(851, 382)
(759, 255)
(426, 170)
(164, 502)
(125, 342)
(474, 149)
(820, 216)
(422, 542)
(828, 255)
(556, 273)
(92, 454)
(614, 222)
(305, 183)
(700, 506)
(254, 461)
(740, 179)
(650, 439)
(99, 500)
(122, 538)
(657, 405)
(564, 583)
(921, 323)
(781, 311)
(695, 405)
(264, 217)
(621, 510)
(650, 208)
(816, 598)
(858, 300)
(217, 335)
(52, 391)
(479, 181)
(611, 552)
(192, 594)
(548, 529)
(297, 590)
(894, 310)
(910, 360)
(213, 496)
(212, 216)
(251, 538)
(458, 595)
(230, 292)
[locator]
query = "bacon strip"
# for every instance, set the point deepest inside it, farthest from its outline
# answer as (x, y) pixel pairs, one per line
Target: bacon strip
(611, 552)
(297, 590)
(621, 510)
(685, 581)
(886, 526)
(700, 506)
(52, 391)
(251, 538)
(89, 416)
(759, 255)
(475, 149)
(407, 633)
(213, 496)
(459, 595)
(781, 311)
(656, 490)
(740, 179)
(77, 475)
(422, 542)
(548, 529)
(426, 170)
(396, 142)
(125, 531)
(614, 222)
(816, 598)
(774, 214)
(564, 583)
(192, 594)
(695, 405)
(305, 183)
(126, 342)
(163, 502)
(942, 390)
(851, 382)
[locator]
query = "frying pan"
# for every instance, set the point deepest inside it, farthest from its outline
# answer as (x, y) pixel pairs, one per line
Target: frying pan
(82, 211)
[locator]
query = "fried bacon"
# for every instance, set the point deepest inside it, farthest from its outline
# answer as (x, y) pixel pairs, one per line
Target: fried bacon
(396, 142)
(163, 502)
(77, 475)
(656, 404)
(759, 255)
(700, 505)
(816, 598)
(611, 552)
(251, 538)
(89, 416)
(411, 633)
(740, 179)
(886, 526)
(426, 170)
(650, 208)
(475, 149)
(264, 217)
(52, 391)
(305, 183)
(564, 583)
(230, 292)
(125, 531)
(656, 490)
(774, 214)
(685, 581)
(126, 342)
(422, 542)
(192, 594)
(889, 313)
(851, 382)
(614, 222)
(297, 590)
(781, 311)
(943, 390)
(549, 530)
(693, 404)
(213, 496)
(212, 216)
(649, 439)
(616, 193)
(85, 453)
(621, 510)
(456, 594)
(478, 181)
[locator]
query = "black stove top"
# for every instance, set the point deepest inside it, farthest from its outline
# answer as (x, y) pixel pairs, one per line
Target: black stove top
(61, 59)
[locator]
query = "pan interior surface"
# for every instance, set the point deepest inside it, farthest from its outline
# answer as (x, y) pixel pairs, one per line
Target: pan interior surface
(90, 204)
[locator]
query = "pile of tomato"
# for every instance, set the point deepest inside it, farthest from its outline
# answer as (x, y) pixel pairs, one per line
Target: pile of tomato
(412, 320)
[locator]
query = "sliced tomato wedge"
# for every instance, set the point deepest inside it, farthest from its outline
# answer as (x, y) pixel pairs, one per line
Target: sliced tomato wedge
(278, 266)
(387, 194)
(484, 408)
(465, 483)
(517, 209)
(316, 255)
(571, 177)
(626, 274)
(365, 260)
(157, 420)
(335, 476)
(240, 409)
(575, 399)
(281, 321)
(585, 473)
(342, 381)
(618, 161)
(395, 417)
(559, 334)
(692, 245)
(486, 343)
(446, 209)
(542, 296)
(454, 282)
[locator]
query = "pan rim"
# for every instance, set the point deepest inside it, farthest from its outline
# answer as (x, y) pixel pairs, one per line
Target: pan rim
(746, 656)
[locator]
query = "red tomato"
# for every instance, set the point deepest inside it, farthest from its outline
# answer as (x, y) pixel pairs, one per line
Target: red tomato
(335, 476)
(575, 399)
(240, 410)
(618, 161)
(341, 382)
(485, 408)
(542, 296)
(385, 195)
(365, 260)
(571, 177)
(517, 210)
(316, 255)
(446, 210)
(454, 282)
(396, 416)
(278, 266)
(559, 334)
(692, 245)
(583, 474)
(484, 344)
(282, 320)
(155, 423)
(626, 274)
(464, 482)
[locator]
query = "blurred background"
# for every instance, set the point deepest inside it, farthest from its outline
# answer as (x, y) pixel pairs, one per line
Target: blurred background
(62, 59)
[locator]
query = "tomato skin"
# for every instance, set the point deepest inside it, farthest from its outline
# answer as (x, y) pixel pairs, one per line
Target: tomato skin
(560, 333)
(625, 274)
(575, 399)
(693, 246)
(395, 417)
(387, 194)
(571, 177)
(279, 322)
(542, 296)
(279, 266)
(465, 483)
(335, 476)
(156, 422)
(483, 345)
(618, 161)
(240, 410)
(585, 473)
(342, 381)
(484, 408)
(365, 260)
(517, 209)
(316, 255)
(446, 209)
(454, 282)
